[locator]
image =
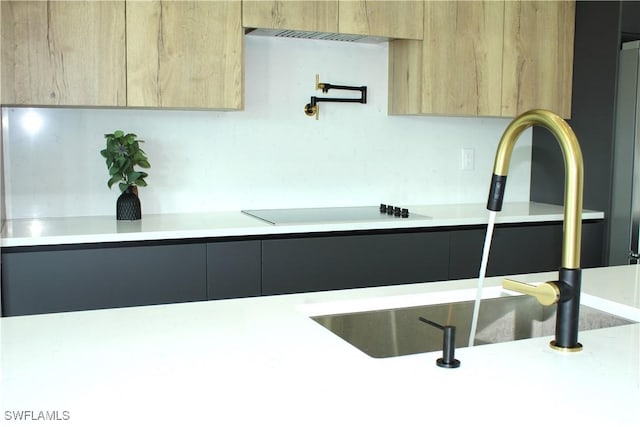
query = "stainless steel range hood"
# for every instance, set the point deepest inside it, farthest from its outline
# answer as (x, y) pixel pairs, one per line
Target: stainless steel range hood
(314, 35)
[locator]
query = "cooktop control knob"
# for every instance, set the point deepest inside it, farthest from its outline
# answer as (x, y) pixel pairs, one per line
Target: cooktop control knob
(396, 211)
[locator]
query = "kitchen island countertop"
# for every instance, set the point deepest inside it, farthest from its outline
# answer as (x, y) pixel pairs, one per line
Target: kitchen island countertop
(263, 361)
(101, 229)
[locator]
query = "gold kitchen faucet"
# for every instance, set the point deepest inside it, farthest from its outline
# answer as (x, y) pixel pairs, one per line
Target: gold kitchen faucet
(564, 292)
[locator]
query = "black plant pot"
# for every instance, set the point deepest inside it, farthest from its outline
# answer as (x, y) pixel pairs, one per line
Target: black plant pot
(128, 205)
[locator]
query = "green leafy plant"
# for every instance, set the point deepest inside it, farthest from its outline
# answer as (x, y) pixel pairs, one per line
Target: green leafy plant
(122, 154)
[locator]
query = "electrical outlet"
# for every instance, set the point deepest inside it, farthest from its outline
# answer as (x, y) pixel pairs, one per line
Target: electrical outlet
(467, 159)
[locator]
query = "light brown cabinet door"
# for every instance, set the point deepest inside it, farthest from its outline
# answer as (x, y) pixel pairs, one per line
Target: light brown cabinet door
(393, 18)
(405, 77)
(457, 68)
(538, 56)
(310, 15)
(462, 53)
(63, 53)
(486, 58)
(396, 19)
(184, 54)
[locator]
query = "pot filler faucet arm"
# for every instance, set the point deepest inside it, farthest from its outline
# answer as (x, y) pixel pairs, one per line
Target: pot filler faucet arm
(566, 291)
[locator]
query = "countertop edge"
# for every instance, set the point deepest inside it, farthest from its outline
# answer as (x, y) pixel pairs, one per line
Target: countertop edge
(105, 229)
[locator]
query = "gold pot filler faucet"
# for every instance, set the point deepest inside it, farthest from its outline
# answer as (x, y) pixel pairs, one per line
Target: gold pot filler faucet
(565, 292)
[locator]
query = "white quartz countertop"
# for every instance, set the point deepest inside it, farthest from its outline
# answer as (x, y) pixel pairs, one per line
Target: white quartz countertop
(264, 362)
(99, 229)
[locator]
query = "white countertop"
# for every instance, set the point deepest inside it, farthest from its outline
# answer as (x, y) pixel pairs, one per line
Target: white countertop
(263, 362)
(100, 229)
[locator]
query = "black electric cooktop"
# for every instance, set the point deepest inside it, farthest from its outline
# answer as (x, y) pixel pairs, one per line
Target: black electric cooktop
(334, 215)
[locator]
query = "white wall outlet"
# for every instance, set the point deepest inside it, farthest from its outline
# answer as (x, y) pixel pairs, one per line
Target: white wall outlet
(467, 159)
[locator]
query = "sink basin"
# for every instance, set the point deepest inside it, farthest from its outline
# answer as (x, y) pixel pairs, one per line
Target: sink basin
(397, 332)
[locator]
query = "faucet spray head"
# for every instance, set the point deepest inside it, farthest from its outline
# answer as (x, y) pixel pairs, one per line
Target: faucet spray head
(496, 192)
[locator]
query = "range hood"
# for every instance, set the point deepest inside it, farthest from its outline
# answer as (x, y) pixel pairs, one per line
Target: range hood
(314, 35)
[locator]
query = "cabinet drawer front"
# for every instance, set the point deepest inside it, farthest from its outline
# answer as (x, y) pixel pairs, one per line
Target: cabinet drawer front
(84, 279)
(520, 249)
(233, 269)
(324, 263)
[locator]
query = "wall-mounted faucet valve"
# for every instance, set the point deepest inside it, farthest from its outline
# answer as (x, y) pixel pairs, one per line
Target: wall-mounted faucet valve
(312, 108)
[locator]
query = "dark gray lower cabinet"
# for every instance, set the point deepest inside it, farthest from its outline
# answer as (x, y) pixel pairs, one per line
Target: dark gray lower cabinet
(520, 249)
(233, 269)
(47, 281)
(339, 262)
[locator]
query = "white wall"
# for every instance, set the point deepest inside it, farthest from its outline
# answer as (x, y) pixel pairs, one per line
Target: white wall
(269, 155)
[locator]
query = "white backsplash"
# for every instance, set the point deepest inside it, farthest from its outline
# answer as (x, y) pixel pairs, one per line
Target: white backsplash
(269, 155)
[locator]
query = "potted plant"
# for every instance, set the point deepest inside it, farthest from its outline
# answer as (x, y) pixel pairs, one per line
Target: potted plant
(123, 154)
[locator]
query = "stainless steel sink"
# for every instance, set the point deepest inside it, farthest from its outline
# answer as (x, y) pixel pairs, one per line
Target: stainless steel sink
(397, 332)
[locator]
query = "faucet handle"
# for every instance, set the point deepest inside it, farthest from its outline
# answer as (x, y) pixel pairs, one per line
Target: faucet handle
(546, 293)
(312, 109)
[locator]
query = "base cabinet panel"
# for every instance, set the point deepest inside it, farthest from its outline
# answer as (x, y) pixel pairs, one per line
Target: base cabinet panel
(84, 279)
(233, 269)
(49, 280)
(520, 249)
(325, 263)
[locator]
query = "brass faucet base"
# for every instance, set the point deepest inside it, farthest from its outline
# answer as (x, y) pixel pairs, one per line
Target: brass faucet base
(575, 349)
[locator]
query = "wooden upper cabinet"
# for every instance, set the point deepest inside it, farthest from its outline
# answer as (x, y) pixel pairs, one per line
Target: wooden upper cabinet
(392, 18)
(538, 56)
(485, 58)
(184, 54)
(311, 15)
(396, 19)
(457, 68)
(63, 53)
(177, 54)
